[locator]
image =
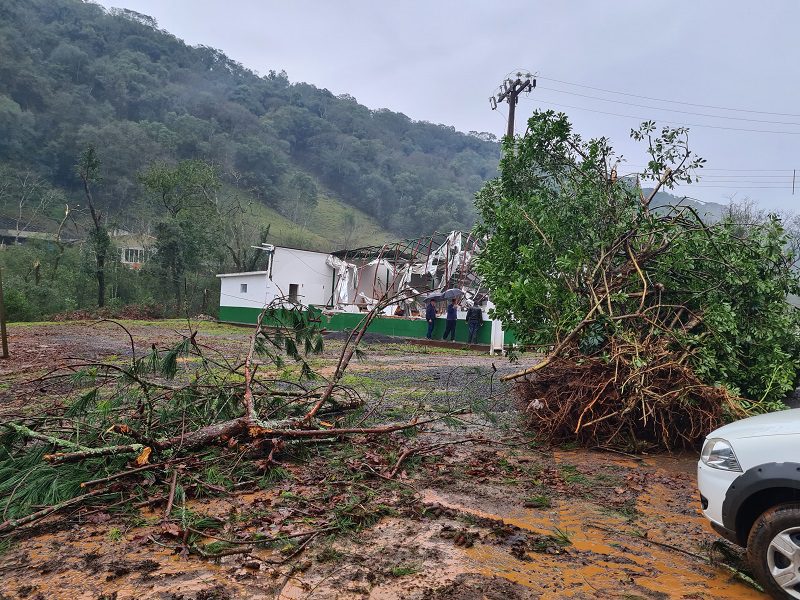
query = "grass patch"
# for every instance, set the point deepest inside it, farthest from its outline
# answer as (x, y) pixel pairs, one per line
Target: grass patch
(628, 509)
(549, 544)
(318, 232)
(329, 554)
(273, 476)
(5, 546)
(562, 536)
(570, 474)
(35, 323)
(539, 501)
(403, 570)
(608, 479)
(217, 546)
(372, 386)
(468, 519)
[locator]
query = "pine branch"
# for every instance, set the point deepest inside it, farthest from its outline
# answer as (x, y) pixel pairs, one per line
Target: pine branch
(27, 432)
(12, 524)
(64, 457)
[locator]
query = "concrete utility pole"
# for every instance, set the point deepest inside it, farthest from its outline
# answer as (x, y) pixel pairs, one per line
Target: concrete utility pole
(3, 335)
(509, 92)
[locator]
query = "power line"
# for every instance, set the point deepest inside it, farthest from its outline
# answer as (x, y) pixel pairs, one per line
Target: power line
(704, 180)
(686, 112)
(745, 177)
(603, 112)
(731, 170)
(598, 89)
(738, 182)
(742, 187)
(735, 185)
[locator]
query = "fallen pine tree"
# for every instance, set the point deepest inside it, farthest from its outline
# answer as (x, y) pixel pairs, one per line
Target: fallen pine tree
(185, 422)
(660, 325)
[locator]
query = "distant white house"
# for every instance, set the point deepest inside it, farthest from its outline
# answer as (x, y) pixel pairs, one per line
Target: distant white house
(134, 249)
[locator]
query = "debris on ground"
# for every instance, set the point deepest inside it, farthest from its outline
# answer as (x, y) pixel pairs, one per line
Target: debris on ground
(467, 505)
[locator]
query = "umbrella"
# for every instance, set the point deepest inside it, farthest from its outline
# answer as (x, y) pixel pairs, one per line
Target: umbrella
(433, 296)
(452, 293)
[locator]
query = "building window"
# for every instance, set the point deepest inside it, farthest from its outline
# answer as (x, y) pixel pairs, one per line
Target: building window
(293, 289)
(133, 255)
(243, 288)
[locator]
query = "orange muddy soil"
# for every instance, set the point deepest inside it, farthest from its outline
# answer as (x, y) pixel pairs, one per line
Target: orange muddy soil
(490, 520)
(474, 538)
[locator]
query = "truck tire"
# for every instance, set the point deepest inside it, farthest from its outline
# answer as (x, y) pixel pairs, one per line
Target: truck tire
(773, 551)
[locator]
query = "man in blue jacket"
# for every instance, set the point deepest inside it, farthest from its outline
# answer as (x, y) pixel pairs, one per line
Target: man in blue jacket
(430, 317)
(452, 315)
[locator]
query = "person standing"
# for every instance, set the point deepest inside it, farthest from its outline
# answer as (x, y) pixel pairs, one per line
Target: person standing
(452, 315)
(430, 317)
(474, 322)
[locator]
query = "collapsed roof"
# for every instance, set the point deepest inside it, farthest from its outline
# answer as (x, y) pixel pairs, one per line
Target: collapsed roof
(418, 266)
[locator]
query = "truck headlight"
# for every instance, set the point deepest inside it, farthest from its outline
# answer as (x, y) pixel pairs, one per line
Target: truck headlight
(718, 454)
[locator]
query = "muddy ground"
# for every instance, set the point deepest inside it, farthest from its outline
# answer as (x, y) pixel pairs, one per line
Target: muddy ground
(492, 515)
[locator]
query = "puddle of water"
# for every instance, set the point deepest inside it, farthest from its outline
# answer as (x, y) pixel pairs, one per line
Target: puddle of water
(539, 523)
(599, 562)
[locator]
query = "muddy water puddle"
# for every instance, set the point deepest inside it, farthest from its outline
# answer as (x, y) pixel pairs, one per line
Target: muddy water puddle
(607, 557)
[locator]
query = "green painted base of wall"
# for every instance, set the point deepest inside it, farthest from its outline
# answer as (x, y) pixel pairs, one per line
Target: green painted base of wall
(392, 326)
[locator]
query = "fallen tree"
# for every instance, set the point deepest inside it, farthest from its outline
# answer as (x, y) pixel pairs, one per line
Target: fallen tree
(660, 325)
(184, 421)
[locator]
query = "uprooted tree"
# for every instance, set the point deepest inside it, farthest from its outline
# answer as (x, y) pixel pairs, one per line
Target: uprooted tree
(658, 325)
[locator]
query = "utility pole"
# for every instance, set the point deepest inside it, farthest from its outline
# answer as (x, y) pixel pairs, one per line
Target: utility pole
(509, 92)
(3, 334)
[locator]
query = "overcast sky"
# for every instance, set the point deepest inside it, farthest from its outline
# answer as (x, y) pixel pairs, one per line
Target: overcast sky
(440, 61)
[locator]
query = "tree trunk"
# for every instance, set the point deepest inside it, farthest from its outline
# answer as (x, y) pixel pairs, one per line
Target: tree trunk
(101, 280)
(178, 294)
(100, 236)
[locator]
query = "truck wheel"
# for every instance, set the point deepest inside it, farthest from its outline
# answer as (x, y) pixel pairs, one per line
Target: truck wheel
(773, 550)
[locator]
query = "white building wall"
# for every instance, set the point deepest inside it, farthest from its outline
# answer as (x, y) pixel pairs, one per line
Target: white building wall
(231, 294)
(306, 269)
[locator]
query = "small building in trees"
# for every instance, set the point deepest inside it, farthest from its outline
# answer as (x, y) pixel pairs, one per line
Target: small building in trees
(13, 233)
(343, 285)
(134, 249)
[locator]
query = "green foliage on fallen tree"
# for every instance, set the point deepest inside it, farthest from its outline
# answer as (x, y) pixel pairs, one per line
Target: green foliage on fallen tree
(578, 260)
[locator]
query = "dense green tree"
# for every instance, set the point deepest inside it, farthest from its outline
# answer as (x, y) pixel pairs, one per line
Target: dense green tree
(188, 234)
(578, 260)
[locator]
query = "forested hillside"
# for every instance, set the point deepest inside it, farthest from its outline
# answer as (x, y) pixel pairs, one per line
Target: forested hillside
(73, 74)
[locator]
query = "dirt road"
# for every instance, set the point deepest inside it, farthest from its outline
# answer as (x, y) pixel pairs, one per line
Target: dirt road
(494, 517)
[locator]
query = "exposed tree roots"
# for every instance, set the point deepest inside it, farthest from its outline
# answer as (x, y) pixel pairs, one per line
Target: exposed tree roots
(620, 400)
